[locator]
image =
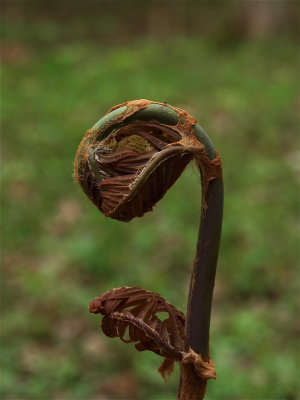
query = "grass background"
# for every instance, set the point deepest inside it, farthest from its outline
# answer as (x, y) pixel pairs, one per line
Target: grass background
(63, 67)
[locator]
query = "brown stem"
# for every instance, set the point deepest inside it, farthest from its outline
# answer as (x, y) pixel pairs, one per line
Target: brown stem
(204, 270)
(201, 287)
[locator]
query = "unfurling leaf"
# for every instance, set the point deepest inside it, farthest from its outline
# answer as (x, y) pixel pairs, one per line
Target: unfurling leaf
(133, 310)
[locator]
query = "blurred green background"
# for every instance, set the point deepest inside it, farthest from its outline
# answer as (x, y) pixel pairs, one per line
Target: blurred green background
(232, 65)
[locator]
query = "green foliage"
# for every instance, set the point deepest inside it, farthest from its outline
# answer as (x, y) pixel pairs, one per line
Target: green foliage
(60, 252)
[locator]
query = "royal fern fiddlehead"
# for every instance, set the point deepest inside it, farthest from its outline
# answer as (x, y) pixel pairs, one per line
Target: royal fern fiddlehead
(125, 164)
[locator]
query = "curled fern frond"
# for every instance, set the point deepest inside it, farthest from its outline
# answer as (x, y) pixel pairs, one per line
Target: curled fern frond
(125, 164)
(132, 156)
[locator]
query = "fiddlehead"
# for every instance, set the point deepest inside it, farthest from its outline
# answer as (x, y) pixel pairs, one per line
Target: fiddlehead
(125, 164)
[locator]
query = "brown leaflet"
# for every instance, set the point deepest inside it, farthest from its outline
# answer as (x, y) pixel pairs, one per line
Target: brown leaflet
(134, 310)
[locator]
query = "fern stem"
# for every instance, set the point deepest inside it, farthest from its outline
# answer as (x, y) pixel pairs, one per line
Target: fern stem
(204, 269)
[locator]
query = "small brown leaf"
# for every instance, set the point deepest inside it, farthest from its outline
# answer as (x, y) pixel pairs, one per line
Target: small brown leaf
(134, 310)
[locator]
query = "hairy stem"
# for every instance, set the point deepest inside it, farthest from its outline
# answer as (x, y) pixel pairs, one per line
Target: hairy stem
(190, 386)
